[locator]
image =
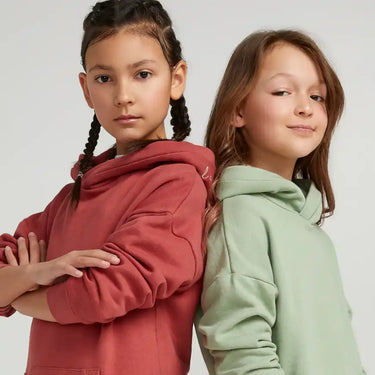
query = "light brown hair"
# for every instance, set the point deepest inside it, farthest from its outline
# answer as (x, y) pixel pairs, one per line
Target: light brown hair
(228, 142)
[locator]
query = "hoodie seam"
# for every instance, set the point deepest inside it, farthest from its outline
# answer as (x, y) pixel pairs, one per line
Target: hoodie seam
(226, 243)
(234, 274)
(178, 236)
(172, 214)
(187, 194)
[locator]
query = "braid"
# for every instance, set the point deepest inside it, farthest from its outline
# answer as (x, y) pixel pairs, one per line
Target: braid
(87, 162)
(180, 119)
(146, 17)
(157, 12)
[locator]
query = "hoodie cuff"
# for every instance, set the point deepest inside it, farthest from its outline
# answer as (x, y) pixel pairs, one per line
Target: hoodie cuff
(7, 311)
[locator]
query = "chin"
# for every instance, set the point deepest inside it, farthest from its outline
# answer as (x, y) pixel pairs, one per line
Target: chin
(301, 152)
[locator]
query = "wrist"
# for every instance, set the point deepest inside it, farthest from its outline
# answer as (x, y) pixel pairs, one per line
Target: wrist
(30, 272)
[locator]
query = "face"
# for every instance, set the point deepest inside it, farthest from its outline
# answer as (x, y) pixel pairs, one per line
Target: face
(129, 84)
(284, 116)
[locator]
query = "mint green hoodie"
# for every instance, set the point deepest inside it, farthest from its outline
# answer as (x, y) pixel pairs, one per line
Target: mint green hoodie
(272, 300)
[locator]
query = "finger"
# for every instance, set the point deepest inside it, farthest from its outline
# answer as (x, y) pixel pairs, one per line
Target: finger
(34, 248)
(72, 271)
(33, 289)
(43, 250)
(23, 254)
(86, 261)
(100, 254)
(10, 257)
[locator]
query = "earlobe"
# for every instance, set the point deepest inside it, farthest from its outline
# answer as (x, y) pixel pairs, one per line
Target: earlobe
(85, 90)
(178, 80)
(238, 119)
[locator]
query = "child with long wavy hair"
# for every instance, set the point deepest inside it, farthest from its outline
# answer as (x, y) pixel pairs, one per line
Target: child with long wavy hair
(112, 262)
(272, 300)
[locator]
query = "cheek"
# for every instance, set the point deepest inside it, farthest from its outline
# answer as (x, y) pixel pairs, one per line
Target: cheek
(100, 98)
(279, 110)
(266, 114)
(157, 95)
(322, 118)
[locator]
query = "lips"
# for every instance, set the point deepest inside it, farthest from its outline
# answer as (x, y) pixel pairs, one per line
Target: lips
(126, 118)
(302, 128)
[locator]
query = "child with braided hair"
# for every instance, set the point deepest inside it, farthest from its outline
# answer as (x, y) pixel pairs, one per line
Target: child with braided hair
(117, 256)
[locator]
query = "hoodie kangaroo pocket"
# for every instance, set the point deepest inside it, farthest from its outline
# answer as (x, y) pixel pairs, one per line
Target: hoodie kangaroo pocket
(42, 370)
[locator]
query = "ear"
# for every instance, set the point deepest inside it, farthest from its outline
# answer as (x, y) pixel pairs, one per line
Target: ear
(178, 80)
(86, 93)
(238, 118)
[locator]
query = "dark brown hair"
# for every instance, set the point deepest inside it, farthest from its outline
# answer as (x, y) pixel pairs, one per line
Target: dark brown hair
(228, 142)
(146, 17)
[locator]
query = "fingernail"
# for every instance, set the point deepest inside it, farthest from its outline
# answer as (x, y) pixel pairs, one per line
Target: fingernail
(78, 273)
(31, 234)
(7, 248)
(106, 264)
(115, 259)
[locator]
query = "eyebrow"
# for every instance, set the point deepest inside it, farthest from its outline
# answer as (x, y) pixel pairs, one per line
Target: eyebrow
(282, 75)
(288, 75)
(140, 63)
(130, 66)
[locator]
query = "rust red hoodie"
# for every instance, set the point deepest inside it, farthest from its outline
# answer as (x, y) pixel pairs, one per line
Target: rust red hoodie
(135, 317)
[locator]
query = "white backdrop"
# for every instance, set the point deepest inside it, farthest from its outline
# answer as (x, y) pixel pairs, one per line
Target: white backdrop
(45, 121)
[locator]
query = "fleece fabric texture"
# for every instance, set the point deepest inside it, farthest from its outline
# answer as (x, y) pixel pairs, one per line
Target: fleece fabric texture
(136, 317)
(273, 300)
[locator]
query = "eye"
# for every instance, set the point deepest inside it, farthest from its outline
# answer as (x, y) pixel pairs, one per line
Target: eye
(143, 74)
(103, 79)
(281, 93)
(317, 98)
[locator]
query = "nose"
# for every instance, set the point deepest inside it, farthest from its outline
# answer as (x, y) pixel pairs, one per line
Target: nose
(123, 94)
(303, 106)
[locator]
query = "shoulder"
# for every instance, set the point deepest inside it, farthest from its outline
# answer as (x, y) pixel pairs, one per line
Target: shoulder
(243, 210)
(238, 244)
(60, 197)
(174, 175)
(168, 186)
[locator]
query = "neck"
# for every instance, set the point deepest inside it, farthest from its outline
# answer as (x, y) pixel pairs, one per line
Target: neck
(282, 167)
(124, 148)
(134, 146)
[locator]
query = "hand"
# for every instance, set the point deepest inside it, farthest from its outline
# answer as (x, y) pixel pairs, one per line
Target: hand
(37, 253)
(47, 273)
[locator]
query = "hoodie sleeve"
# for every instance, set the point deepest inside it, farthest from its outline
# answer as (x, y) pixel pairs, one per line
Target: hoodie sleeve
(160, 253)
(40, 224)
(239, 295)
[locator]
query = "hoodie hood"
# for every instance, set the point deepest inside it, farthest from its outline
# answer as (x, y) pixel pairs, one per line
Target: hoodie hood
(300, 196)
(152, 155)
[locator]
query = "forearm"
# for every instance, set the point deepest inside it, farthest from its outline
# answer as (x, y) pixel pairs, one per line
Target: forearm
(237, 325)
(15, 281)
(34, 304)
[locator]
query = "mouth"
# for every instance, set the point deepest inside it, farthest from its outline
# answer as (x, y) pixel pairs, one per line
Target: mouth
(126, 118)
(302, 128)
